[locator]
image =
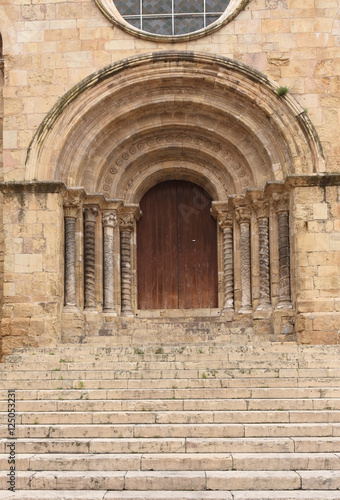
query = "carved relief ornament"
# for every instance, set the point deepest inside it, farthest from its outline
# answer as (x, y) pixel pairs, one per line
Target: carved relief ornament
(90, 213)
(261, 208)
(243, 214)
(126, 221)
(225, 219)
(281, 202)
(110, 219)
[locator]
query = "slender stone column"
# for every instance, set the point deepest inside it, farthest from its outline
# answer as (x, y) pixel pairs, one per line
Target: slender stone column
(282, 210)
(90, 214)
(70, 217)
(243, 216)
(225, 221)
(126, 225)
(109, 223)
(261, 209)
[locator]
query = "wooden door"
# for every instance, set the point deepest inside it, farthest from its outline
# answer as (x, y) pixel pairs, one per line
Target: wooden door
(176, 248)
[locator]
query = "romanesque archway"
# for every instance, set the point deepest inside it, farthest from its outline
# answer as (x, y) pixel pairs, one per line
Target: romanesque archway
(175, 117)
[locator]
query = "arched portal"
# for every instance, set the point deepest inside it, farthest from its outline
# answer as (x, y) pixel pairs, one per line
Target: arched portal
(176, 248)
(107, 133)
(179, 118)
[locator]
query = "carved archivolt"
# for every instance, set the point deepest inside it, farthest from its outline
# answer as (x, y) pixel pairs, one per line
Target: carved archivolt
(181, 141)
(121, 94)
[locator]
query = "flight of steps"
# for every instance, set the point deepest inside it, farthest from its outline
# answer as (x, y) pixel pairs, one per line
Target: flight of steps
(174, 422)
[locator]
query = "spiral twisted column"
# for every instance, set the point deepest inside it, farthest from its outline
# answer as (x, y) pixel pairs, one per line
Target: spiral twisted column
(70, 217)
(261, 209)
(225, 221)
(126, 225)
(90, 215)
(109, 223)
(243, 216)
(282, 210)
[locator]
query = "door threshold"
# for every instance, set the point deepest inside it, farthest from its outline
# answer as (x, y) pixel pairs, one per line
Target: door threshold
(178, 313)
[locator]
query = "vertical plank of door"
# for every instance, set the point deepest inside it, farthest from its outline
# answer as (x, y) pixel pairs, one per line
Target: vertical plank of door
(157, 249)
(197, 248)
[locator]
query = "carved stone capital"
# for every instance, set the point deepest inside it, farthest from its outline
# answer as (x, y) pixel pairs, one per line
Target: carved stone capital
(225, 219)
(90, 213)
(126, 221)
(110, 219)
(261, 208)
(281, 202)
(73, 197)
(71, 211)
(243, 214)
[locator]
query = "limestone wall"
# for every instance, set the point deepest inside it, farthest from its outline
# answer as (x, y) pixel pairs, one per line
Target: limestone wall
(33, 287)
(316, 251)
(50, 46)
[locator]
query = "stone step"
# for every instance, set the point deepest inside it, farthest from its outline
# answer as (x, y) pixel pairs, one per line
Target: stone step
(173, 430)
(176, 480)
(176, 393)
(180, 348)
(67, 381)
(175, 422)
(173, 495)
(83, 404)
(218, 495)
(175, 461)
(177, 445)
(224, 373)
(228, 361)
(179, 417)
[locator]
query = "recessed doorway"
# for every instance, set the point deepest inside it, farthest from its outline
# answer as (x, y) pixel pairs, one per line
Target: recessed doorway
(176, 248)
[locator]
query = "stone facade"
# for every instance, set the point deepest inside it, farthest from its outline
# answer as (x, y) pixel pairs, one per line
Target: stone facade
(92, 117)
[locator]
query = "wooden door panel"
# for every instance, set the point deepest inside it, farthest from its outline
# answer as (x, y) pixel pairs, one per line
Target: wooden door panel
(197, 249)
(157, 249)
(176, 248)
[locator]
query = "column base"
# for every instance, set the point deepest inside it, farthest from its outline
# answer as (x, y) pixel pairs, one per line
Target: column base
(228, 310)
(264, 307)
(127, 314)
(70, 308)
(284, 305)
(245, 310)
(110, 311)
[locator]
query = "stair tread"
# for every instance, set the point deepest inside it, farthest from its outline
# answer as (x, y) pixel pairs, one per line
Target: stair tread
(237, 422)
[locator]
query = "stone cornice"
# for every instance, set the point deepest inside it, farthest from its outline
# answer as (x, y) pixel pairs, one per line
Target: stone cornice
(32, 187)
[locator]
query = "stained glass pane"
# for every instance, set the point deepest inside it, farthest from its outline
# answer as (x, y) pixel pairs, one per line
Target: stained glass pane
(157, 6)
(216, 5)
(128, 7)
(211, 19)
(159, 25)
(187, 24)
(135, 22)
(171, 17)
(190, 6)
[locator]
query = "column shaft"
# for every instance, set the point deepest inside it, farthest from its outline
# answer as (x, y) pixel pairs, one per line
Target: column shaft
(245, 267)
(70, 261)
(263, 223)
(125, 250)
(109, 222)
(284, 259)
(90, 215)
(228, 277)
